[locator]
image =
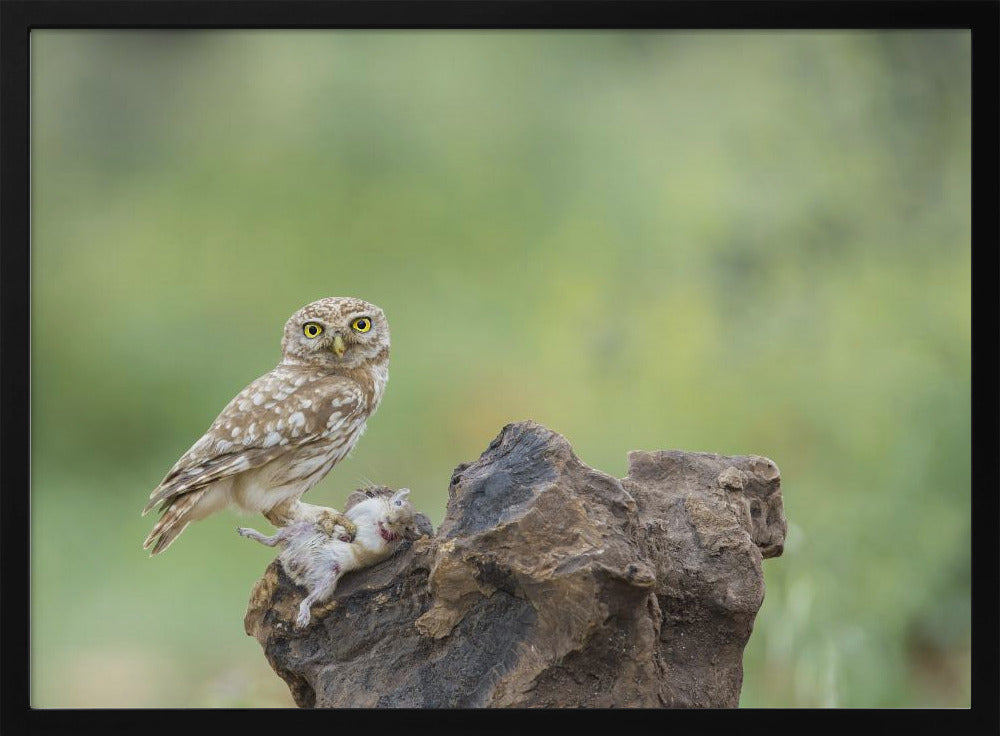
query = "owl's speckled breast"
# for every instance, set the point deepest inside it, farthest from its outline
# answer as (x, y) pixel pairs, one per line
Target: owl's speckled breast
(292, 474)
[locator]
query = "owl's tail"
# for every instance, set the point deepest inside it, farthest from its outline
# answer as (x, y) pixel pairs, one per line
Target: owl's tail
(176, 517)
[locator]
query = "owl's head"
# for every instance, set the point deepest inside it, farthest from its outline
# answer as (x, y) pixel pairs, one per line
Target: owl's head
(336, 332)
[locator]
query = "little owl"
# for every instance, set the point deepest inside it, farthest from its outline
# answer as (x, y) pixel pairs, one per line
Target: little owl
(286, 430)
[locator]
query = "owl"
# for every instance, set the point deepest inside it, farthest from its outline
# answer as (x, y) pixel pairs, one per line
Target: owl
(284, 432)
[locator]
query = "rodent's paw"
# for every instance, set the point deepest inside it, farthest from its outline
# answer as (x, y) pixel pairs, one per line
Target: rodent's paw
(243, 531)
(302, 620)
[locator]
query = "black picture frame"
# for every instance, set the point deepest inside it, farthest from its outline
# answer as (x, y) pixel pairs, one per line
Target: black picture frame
(19, 17)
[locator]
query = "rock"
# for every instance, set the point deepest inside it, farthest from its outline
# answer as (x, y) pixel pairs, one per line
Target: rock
(548, 584)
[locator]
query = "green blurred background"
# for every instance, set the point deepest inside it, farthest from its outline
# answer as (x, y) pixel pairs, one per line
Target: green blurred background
(730, 242)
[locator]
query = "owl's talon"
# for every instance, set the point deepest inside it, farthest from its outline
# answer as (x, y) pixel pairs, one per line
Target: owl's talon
(349, 527)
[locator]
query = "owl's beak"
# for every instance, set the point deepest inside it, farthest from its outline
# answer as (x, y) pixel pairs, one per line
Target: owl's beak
(338, 346)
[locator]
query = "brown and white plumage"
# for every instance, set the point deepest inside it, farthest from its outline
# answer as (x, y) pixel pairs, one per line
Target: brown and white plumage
(284, 432)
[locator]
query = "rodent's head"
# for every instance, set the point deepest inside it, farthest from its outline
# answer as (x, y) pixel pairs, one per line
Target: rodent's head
(400, 514)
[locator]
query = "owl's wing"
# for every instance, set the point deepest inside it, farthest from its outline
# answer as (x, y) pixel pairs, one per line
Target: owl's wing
(267, 419)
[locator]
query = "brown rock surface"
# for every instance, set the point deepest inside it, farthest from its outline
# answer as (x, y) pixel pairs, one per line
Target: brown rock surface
(548, 584)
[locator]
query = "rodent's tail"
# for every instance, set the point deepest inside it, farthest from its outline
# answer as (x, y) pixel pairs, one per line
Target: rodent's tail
(174, 520)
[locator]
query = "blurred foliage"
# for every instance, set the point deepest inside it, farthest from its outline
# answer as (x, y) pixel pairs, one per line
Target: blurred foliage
(733, 242)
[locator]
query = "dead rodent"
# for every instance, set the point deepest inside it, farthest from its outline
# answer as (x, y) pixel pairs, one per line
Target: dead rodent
(315, 554)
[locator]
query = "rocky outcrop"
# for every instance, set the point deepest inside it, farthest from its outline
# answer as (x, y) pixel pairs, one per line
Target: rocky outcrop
(548, 584)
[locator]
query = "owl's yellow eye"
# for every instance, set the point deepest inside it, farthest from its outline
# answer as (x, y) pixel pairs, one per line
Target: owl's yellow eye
(312, 329)
(361, 324)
